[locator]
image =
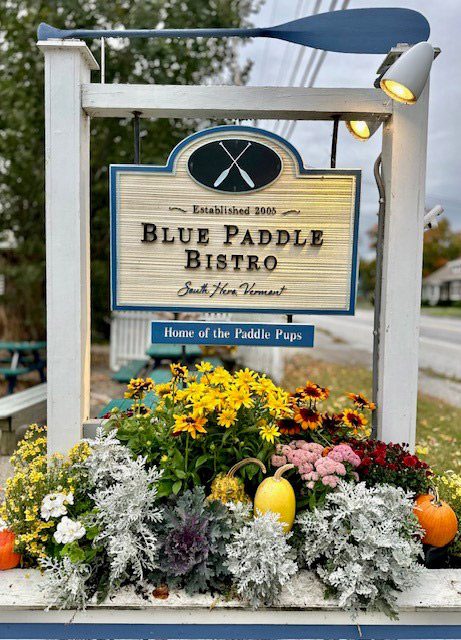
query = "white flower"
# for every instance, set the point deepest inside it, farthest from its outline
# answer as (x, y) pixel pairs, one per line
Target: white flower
(69, 530)
(3, 525)
(54, 505)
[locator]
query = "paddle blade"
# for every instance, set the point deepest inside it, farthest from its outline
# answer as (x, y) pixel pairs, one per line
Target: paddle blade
(355, 30)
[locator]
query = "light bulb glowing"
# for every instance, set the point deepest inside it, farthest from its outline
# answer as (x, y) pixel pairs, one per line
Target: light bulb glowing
(359, 129)
(398, 91)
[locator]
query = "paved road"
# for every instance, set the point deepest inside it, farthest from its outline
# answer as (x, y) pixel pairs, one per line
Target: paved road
(350, 340)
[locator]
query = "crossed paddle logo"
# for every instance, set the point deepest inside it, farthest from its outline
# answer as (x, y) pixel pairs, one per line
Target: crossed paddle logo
(223, 175)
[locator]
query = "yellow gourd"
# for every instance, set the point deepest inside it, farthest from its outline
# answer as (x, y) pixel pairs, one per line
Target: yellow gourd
(227, 488)
(276, 494)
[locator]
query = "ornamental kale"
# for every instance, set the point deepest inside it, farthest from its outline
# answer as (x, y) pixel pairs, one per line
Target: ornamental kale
(363, 544)
(193, 547)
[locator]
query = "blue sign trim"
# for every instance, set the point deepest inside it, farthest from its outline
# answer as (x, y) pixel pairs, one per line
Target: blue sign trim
(169, 168)
(67, 631)
(227, 333)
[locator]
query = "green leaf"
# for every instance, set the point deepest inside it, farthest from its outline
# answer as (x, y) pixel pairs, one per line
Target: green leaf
(180, 473)
(164, 489)
(201, 460)
(177, 487)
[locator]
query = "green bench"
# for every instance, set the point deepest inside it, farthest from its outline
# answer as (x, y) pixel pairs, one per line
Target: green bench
(130, 370)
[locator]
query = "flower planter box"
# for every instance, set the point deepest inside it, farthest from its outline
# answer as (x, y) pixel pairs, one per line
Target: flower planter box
(429, 610)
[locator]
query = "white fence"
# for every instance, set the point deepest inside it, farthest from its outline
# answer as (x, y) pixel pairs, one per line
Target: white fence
(130, 337)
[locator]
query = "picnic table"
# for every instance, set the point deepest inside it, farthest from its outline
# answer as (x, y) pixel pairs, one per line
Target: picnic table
(159, 352)
(23, 357)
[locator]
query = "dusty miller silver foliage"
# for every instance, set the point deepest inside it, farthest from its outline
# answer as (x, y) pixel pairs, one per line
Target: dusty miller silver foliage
(260, 560)
(364, 545)
(65, 583)
(126, 512)
(126, 515)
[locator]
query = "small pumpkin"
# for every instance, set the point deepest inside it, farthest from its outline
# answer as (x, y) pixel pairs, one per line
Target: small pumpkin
(277, 495)
(437, 518)
(8, 558)
(227, 488)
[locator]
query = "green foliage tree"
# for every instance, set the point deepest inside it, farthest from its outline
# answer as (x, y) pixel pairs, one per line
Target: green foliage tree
(441, 245)
(154, 61)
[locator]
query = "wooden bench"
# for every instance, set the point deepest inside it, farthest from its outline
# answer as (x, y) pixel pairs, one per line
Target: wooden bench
(132, 369)
(17, 411)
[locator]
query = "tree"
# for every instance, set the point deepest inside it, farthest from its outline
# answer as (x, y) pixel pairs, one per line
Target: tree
(441, 245)
(154, 61)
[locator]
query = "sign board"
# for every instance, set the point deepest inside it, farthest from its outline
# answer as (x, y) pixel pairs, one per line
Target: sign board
(239, 333)
(234, 222)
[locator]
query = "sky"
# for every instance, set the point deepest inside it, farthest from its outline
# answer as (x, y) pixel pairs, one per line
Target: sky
(274, 63)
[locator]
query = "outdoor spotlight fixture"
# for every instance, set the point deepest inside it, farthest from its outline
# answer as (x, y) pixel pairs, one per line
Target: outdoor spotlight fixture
(406, 78)
(362, 129)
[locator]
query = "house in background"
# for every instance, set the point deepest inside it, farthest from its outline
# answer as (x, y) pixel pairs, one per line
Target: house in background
(443, 285)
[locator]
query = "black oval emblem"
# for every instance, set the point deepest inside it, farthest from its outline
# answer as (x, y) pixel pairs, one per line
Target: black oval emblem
(234, 165)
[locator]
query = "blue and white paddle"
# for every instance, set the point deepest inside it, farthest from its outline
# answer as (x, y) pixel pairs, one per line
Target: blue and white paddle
(348, 31)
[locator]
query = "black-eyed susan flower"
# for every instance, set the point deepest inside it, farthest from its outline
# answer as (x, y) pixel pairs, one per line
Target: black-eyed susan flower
(307, 418)
(179, 371)
(352, 418)
(192, 424)
(138, 387)
(361, 401)
(204, 367)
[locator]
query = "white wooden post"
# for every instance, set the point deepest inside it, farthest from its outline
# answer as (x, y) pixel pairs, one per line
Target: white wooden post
(67, 156)
(404, 172)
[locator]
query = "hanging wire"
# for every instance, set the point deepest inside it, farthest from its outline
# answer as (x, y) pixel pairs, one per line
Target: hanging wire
(377, 170)
(334, 142)
(137, 143)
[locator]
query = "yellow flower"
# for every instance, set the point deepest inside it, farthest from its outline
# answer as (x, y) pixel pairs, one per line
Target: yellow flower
(138, 387)
(240, 397)
(192, 424)
(204, 367)
(164, 458)
(220, 376)
(278, 403)
(354, 419)
(227, 417)
(269, 432)
(163, 390)
(179, 371)
(245, 376)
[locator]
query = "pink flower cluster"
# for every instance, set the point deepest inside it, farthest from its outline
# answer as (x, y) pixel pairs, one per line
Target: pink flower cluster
(313, 465)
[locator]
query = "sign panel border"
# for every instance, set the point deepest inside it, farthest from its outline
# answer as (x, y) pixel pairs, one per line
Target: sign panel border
(169, 168)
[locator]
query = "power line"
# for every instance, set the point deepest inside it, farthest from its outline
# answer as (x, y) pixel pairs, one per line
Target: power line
(287, 49)
(299, 58)
(315, 73)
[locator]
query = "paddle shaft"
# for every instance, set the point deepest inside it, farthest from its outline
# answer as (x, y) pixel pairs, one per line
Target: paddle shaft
(51, 32)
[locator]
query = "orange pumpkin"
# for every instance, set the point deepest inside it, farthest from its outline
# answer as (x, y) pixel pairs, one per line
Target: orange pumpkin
(437, 518)
(8, 558)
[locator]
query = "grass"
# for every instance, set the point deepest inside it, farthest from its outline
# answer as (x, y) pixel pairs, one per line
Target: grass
(438, 431)
(447, 312)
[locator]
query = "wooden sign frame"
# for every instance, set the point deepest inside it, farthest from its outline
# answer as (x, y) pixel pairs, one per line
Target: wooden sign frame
(71, 99)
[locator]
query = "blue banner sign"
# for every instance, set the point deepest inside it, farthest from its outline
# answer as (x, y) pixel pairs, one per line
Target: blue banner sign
(229, 333)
